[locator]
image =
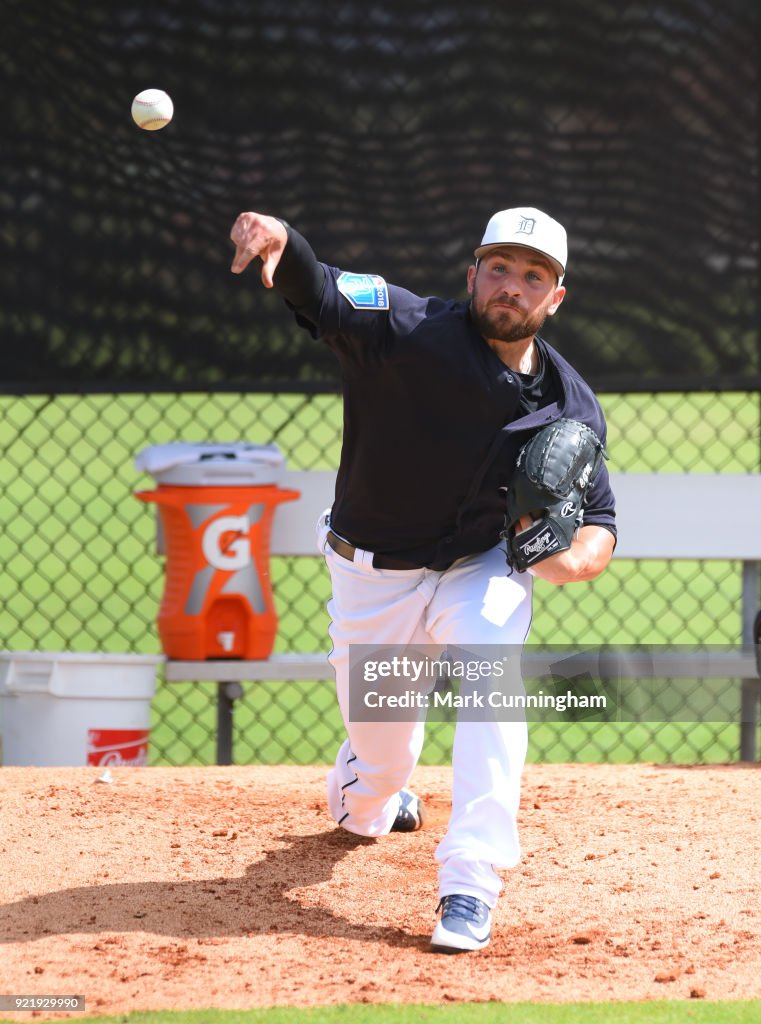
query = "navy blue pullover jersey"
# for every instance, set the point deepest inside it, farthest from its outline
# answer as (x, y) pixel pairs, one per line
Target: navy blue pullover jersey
(432, 422)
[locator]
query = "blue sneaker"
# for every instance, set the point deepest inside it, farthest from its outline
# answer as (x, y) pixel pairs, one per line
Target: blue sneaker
(411, 813)
(464, 925)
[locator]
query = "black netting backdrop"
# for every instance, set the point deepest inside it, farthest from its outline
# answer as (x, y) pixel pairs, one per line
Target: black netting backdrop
(388, 133)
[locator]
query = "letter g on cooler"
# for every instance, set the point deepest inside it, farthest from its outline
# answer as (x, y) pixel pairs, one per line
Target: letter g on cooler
(215, 519)
(232, 555)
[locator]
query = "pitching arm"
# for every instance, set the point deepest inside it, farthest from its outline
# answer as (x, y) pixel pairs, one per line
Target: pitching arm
(288, 261)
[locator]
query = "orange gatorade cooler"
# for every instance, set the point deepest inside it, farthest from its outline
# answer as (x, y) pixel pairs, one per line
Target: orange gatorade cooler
(216, 505)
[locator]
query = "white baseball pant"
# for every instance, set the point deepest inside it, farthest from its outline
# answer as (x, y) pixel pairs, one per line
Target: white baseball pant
(474, 602)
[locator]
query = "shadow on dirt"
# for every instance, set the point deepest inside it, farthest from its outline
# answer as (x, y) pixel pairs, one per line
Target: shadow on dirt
(257, 902)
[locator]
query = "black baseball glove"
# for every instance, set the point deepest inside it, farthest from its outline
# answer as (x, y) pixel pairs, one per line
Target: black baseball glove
(552, 476)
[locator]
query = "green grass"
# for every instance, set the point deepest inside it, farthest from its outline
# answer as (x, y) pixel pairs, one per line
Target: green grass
(78, 569)
(692, 1012)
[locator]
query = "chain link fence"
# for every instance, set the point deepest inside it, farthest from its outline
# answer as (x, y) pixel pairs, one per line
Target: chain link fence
(79, 572)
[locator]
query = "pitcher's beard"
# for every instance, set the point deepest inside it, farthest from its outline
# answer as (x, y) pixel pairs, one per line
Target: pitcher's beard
(496, 325)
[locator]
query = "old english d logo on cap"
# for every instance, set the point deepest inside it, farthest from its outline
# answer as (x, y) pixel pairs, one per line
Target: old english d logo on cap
(529, 227)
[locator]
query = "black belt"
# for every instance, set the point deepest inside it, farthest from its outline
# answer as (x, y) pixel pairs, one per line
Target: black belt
(346, 550)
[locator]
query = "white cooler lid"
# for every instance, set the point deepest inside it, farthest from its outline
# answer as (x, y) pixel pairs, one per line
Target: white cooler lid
(202, 464)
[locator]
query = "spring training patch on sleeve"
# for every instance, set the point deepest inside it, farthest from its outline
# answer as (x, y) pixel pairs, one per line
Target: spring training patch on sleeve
(364, 291)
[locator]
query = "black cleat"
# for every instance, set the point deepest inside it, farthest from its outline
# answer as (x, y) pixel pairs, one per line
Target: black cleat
(411, 813)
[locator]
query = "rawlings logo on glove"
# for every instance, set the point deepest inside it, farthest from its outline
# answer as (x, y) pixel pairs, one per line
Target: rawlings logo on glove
(553, 473)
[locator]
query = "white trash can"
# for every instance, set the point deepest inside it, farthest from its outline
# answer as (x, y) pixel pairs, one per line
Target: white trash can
(65, 708)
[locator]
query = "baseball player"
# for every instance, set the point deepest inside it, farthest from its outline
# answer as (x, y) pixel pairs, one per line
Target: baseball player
(441, 398)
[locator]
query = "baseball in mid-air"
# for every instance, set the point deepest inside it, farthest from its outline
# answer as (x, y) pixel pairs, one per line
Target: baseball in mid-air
(152, 109)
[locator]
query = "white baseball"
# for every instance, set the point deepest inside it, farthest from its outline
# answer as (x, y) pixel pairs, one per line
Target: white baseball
(152, 109)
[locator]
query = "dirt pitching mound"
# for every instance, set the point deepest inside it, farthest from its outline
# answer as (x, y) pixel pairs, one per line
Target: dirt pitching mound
(229, 887)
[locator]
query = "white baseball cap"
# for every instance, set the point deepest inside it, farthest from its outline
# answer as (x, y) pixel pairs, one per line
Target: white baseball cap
(531, 228)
